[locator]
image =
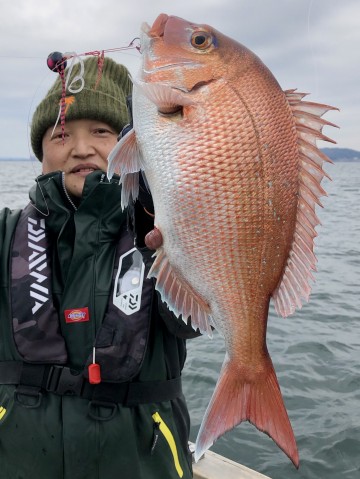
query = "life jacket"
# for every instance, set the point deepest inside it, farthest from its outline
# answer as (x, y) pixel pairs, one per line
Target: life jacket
(121, 339)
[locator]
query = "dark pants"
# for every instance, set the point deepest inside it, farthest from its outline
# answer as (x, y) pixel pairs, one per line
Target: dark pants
(59, 440)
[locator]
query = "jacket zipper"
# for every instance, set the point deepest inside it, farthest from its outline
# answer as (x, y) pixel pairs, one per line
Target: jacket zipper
(95, 325)
(159, 424)
(67, 194)
(65, 191)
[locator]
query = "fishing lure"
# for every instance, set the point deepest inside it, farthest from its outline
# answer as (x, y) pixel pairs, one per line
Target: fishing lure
(57, 62)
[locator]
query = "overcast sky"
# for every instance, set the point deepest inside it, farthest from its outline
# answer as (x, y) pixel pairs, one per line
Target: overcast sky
(312, 45)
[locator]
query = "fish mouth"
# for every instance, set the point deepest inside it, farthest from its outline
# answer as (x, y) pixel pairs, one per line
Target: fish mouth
(145, 28)
(149, 35)
(158, 27)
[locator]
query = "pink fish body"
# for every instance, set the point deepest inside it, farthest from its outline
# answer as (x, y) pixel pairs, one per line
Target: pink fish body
(235, 173)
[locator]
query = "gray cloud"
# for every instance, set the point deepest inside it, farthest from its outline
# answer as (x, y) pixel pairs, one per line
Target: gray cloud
(311, 45)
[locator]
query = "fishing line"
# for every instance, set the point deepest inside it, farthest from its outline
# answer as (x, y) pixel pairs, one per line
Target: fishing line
(134, 44)
(57, 62)
(73, 56)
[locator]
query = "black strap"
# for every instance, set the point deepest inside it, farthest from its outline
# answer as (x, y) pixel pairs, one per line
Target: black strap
(10, 372)
(131, 394)
(62, 380)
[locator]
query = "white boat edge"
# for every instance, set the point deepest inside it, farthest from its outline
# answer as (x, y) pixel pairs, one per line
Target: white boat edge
(215, 466)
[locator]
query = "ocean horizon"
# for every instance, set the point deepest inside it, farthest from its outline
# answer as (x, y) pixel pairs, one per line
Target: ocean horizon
(315, 352)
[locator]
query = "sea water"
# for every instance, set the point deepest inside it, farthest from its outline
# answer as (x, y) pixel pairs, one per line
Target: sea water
(316, 352)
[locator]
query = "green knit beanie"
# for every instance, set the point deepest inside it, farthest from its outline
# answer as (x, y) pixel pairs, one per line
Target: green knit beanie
(102, 98)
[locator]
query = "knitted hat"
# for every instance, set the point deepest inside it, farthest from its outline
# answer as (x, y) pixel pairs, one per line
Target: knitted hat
(102, 98)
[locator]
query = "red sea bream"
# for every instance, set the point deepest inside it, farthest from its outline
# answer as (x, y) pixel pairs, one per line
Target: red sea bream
(234, 170)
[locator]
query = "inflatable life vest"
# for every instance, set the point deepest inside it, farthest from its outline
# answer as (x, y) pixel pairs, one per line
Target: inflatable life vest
(121, 339)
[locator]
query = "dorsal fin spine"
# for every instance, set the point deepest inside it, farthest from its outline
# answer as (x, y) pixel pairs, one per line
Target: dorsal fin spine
(297, 274)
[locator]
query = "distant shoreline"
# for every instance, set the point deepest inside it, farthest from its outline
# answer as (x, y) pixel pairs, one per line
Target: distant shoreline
(335, 154)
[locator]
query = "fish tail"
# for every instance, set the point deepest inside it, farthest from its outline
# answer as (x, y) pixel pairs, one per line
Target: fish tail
(257, 399)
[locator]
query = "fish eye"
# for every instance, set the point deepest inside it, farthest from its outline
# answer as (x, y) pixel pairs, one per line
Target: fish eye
(201, 40)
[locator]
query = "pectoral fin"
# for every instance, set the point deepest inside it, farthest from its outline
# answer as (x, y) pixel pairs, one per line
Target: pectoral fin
(167, 99)
(125, 159)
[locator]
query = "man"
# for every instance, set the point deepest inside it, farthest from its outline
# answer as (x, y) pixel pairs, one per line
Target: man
(90, 358)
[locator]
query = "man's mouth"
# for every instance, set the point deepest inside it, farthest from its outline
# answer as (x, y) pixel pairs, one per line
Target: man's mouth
(84, 169)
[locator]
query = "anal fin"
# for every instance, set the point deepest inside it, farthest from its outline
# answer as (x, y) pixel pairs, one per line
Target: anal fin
(179, 295)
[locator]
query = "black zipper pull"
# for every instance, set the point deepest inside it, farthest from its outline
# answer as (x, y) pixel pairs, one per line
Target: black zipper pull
(155, 436)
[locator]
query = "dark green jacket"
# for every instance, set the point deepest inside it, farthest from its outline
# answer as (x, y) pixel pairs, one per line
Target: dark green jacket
(59, 440)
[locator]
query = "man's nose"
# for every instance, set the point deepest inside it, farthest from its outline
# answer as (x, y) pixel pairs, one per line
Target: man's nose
(82, 146)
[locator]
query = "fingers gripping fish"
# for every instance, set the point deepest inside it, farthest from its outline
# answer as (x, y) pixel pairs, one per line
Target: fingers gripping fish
(235, 205)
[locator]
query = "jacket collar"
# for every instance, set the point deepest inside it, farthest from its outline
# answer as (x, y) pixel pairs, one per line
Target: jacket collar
(101, 200)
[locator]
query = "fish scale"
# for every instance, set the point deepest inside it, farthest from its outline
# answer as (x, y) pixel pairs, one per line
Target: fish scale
(234, 171)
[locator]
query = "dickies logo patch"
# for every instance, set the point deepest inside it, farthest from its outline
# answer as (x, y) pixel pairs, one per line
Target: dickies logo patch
(78, 315)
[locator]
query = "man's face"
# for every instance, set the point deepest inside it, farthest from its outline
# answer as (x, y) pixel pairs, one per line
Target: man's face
(84, 148)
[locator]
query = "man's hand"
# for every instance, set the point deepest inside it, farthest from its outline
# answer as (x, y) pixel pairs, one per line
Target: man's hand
(154, 239)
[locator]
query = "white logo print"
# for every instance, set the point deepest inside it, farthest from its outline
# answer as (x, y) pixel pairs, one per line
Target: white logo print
(37, 262)
(128, 282)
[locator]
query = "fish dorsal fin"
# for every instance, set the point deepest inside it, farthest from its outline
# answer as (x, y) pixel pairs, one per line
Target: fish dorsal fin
(125, 159)
(179, 295)
(294, 286)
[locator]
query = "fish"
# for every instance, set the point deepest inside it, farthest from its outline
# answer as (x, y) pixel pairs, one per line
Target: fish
(232, 163)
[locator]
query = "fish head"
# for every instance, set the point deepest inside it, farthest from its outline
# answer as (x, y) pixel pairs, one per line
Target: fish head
(185, 55)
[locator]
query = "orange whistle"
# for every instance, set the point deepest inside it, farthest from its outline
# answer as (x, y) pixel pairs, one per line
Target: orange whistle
(94, 373)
